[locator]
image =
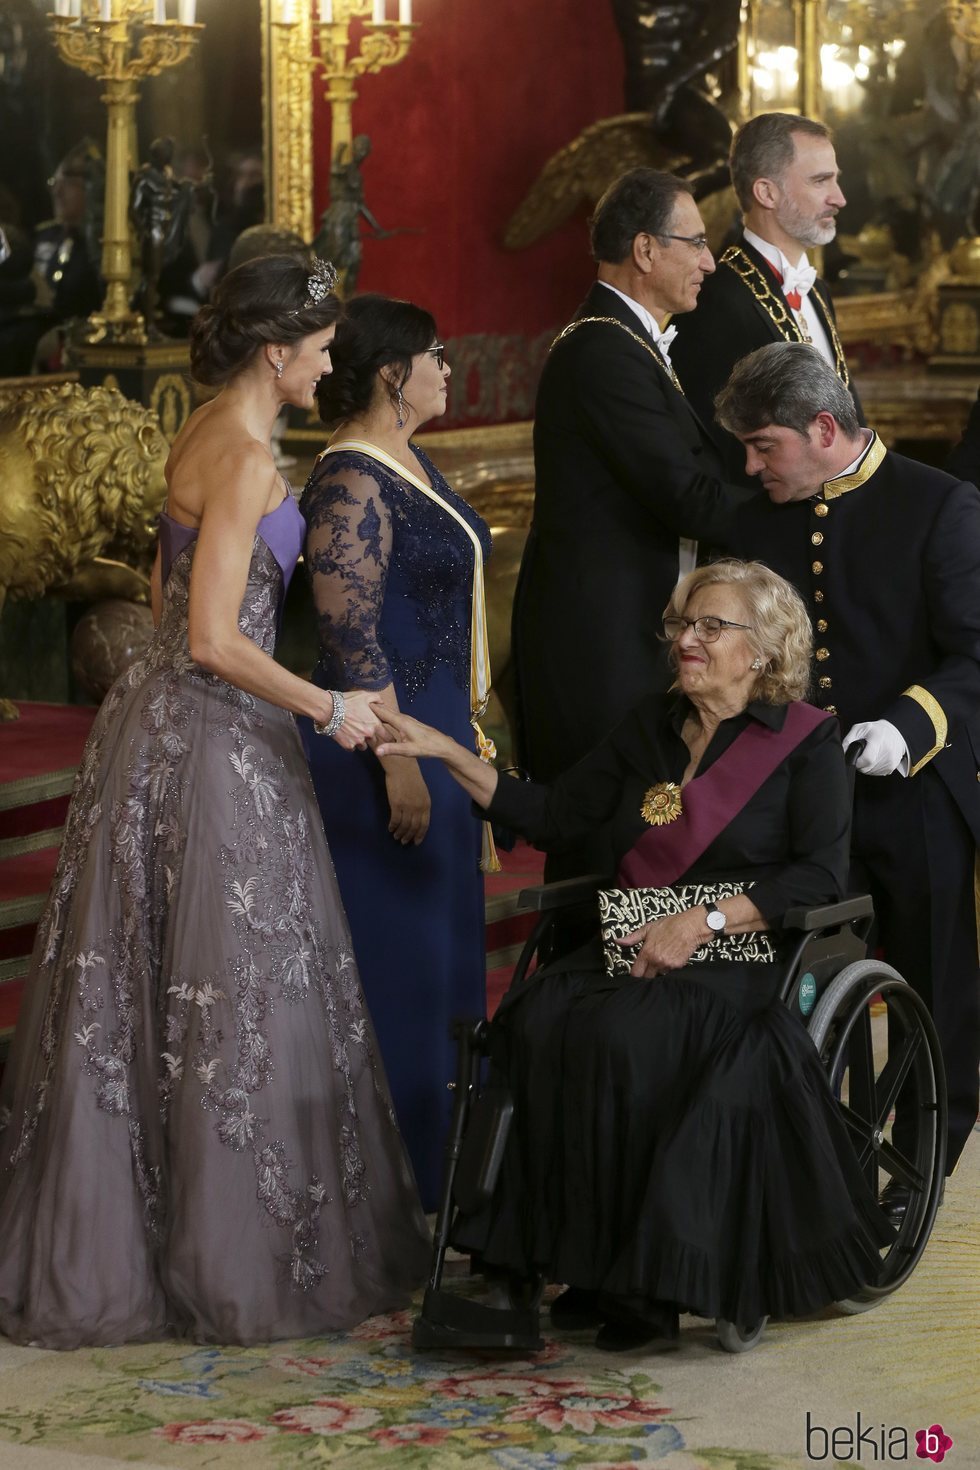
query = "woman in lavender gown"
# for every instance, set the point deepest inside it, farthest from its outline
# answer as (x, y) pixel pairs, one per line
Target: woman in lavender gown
(197, 1133)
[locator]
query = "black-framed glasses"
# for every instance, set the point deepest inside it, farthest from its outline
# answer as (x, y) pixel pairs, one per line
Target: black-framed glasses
(696, 242)
(708, 630)
(438, 352)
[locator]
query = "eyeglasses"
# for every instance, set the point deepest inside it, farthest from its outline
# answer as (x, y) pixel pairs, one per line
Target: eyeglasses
(696, 242)
(707, 630)
(438, 352)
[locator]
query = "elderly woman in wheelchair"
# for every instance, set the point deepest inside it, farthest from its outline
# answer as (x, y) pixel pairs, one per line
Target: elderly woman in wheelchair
(676, 1144)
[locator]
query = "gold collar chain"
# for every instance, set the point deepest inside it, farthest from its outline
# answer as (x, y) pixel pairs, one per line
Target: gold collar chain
(613, 321)
(775, 306)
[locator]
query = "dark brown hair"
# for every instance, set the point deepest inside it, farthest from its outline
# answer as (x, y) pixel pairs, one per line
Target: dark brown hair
(259, 302)
(376, 332)
(763, 148)
(640, 202)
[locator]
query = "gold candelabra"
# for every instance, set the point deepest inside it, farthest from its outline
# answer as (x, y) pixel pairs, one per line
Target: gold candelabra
(120, 42)
(383, 43)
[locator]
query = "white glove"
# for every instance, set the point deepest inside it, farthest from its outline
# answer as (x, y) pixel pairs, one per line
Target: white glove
(885, 751)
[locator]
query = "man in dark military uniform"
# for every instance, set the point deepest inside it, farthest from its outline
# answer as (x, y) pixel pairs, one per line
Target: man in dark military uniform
(886, 552)
(784, 171)
(626, 482)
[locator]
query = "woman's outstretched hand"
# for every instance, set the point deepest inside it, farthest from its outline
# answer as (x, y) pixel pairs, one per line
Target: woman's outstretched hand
(667, 944)
(361, 724)
(404, 735)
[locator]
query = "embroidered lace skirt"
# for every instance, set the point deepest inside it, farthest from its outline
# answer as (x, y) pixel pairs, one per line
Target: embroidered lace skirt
(198, 1136)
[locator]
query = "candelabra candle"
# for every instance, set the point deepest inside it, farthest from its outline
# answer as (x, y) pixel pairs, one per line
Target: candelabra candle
(378, 12)
(120, 42)
(405, 12)
(326, 12)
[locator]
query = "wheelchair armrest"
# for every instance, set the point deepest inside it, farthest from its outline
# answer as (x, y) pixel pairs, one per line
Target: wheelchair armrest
(547, 896)
(830, 914)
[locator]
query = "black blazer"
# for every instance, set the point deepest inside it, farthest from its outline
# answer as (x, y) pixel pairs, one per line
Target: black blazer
(893, 588)
(728, 323)
(964, 460)
(623, 468)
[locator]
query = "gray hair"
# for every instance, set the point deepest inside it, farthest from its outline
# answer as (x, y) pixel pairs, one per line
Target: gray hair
(786, 384)
(763, 148)
(640, 202)
(781, 635)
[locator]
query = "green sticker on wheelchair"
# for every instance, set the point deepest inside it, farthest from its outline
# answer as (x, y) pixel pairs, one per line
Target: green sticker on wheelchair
(807, 993)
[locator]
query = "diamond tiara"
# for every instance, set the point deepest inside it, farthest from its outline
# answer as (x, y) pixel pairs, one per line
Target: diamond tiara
(323, 280)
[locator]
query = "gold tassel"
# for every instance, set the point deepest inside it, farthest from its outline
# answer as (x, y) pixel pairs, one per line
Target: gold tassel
(487, 751)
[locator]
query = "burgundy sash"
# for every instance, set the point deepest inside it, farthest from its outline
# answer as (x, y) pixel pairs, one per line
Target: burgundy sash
(711, 801)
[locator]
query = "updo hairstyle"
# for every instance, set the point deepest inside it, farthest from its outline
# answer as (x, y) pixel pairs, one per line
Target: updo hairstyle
(781, 635)
(258, 303)
(376, 332)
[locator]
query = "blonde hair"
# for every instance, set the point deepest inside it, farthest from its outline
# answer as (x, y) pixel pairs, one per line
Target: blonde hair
(781, 634)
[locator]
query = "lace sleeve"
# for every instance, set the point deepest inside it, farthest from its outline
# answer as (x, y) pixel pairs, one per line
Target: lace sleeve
(348, 548)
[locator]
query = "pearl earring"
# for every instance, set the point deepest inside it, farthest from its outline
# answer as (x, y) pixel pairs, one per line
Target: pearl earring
(279, 368)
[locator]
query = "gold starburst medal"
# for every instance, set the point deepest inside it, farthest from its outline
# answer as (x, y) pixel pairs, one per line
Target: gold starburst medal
(662, 804)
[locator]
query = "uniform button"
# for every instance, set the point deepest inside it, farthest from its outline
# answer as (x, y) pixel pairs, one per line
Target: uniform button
(820, 507)
(821, 625)
(822, 654)
(825, 682)
(817, 538)
(816, 568)
(818, 596)
(830, 709)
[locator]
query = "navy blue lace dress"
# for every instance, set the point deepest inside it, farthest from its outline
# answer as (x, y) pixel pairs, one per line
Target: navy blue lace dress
(392, 578)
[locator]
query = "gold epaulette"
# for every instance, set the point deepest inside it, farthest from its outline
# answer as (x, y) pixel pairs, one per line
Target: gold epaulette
(613, 321)
(774, 305)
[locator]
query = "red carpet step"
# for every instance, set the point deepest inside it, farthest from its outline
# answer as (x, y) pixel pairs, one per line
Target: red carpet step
(39, 754)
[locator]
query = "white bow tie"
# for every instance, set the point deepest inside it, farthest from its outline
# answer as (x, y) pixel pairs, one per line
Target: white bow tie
(665, 338)
(799, 278)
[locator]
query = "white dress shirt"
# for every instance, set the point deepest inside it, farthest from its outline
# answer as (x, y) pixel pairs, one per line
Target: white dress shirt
(808, 316)
(687, 550)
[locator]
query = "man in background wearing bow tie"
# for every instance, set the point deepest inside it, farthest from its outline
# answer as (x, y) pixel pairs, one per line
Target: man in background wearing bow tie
(784, 172)
(626, 482)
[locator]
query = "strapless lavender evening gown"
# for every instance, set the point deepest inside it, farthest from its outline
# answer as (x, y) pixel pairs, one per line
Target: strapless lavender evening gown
(197, 1133)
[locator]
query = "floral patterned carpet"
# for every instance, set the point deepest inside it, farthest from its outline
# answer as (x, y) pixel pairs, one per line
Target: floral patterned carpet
(367, 1399)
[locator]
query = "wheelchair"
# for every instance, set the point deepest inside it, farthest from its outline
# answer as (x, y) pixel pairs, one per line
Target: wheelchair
(838, 992)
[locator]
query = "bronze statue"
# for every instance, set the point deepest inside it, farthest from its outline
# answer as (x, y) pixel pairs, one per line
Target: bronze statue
(339, 236)
(159, 207)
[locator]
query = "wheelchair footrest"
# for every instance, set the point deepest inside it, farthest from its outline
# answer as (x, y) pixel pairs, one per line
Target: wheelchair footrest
(451, 1321)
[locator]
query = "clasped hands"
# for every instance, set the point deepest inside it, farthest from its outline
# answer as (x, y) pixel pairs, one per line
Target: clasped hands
(666, 944)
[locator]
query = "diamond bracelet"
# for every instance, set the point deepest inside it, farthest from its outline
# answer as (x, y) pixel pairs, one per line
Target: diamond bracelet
(336, 719)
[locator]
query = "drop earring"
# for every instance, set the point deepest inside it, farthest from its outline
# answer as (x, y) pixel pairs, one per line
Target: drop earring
(279, 368)
(400, 409)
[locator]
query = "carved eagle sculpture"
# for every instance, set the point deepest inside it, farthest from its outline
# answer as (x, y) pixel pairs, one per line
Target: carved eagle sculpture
(580, 173)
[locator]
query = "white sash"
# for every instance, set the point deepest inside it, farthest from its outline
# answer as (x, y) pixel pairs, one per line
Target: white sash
(479, 637)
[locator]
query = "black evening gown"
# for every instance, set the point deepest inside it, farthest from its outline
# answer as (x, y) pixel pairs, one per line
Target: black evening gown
(197, 1134)
(675, 1139)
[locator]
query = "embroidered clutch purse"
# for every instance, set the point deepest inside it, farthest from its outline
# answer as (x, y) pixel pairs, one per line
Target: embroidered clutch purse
(621, 910)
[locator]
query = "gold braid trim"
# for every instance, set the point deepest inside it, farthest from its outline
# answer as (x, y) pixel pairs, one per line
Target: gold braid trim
(868, 467)
(937, 715)
(613, 321)
(775, 306)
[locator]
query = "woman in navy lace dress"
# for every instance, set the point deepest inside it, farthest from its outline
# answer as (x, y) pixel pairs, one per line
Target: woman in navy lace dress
(396, 558)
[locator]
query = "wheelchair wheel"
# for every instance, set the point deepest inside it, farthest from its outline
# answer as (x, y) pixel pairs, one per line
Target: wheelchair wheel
(735, 1339)
(867, 1080)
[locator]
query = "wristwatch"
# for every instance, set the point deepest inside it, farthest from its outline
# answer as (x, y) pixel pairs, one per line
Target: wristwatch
(714, 918)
